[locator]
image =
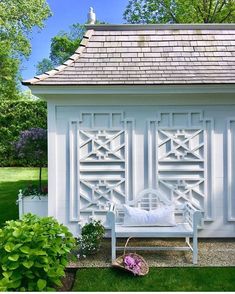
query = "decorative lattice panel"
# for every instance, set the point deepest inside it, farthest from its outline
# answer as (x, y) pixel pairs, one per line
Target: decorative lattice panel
(101, 151)
(179, 154)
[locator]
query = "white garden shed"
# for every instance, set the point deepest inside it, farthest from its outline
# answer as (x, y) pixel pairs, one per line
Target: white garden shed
(143, 106)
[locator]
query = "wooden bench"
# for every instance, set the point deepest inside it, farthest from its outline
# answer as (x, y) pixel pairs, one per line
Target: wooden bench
(150, 199)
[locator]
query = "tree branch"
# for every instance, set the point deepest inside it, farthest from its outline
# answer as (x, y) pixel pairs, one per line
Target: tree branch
(169, 11)
(221, 6)
(204, 9)
(223, 19)
(200, 12)
(219, 9)
(209, 11)
(214, 12)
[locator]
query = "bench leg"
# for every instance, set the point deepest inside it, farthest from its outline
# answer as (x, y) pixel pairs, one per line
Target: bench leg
(113, 246)
(187, 240)
(195, 249)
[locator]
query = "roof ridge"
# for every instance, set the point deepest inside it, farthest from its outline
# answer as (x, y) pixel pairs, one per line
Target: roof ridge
(73, 58)
(186, 26)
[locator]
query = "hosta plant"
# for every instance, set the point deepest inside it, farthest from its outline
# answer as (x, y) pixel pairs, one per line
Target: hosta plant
(33, 254)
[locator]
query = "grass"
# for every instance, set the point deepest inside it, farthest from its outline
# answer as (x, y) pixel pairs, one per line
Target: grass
(11, 180)
(158, 279)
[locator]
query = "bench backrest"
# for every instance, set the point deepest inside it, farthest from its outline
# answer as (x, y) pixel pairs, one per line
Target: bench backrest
(148, 199)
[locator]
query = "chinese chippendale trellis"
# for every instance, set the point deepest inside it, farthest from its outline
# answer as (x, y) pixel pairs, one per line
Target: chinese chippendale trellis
(179, 158)
(102, 160)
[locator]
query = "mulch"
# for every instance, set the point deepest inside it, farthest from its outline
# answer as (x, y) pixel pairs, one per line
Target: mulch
(67, 280)
(212, 252)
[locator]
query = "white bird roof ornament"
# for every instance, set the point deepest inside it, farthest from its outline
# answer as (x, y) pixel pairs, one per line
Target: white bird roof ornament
(91, 16)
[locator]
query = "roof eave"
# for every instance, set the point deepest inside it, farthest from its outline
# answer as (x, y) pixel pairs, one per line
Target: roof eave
(67, 63)
(41, 90)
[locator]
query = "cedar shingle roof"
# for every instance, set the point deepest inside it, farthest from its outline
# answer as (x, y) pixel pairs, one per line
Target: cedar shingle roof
(149, 54)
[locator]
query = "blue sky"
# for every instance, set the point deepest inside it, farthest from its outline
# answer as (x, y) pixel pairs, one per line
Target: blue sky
(65, 13)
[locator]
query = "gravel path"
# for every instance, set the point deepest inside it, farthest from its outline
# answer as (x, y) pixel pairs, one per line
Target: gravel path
(212, 252)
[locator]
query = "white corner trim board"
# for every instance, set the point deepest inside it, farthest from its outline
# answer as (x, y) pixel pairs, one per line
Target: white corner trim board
(230, 169)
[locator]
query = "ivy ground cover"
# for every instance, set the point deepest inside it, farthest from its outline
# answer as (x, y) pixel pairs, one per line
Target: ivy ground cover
(11, 180)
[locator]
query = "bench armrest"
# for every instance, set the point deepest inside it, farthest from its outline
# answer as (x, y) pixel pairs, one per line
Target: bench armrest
(192, 216)
(111, 216)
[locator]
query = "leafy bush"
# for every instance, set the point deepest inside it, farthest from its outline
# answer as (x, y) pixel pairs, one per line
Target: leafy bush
(91, 237)
(17, 116)
(33, 253)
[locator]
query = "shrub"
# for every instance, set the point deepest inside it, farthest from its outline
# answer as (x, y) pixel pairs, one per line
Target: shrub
(32, 146)
(33, 253)
(17, 116)
(91, 236)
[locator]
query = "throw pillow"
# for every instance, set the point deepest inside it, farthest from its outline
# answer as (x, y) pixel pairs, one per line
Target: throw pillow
(162, 216)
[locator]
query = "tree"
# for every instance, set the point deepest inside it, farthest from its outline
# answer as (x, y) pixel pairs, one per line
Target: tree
(17, 116)
(63, 45)
(180, 11)
(32, 146)
(17, 19)
(8, 73)
(44, 65)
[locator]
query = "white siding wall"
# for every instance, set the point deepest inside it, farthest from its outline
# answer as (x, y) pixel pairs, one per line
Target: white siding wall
(183, 144)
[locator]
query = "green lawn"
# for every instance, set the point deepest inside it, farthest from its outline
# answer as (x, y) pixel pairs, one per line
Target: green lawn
(11, 180)
(158, 279)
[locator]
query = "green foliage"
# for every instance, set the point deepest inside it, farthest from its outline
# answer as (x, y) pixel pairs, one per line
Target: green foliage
(33, 190)
(17, 19)
(17, 116)
(63, 45)
(44, 65)
(33, 253)
(180, 11)
(91, 237)
(8, 73)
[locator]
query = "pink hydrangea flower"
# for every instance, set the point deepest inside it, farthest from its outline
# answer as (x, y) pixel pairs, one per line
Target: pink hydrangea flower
(133, 264)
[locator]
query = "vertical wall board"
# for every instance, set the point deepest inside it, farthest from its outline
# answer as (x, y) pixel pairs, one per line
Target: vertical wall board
(110, 153)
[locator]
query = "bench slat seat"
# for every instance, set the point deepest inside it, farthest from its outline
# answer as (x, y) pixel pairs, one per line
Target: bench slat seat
(180, 230)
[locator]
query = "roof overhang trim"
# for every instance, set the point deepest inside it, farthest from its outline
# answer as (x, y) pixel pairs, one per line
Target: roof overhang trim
(131, 90)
